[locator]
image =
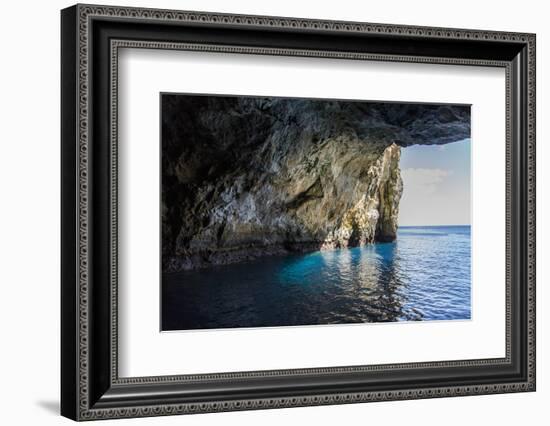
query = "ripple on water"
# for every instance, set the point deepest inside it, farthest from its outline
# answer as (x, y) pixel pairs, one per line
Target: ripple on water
(423, 275)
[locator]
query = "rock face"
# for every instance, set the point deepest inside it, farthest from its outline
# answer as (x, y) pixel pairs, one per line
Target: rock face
(244, 177)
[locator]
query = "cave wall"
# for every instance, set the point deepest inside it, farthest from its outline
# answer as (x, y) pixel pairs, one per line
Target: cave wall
(244, 177)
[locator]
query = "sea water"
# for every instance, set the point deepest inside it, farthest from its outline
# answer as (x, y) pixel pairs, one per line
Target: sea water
(423, 275)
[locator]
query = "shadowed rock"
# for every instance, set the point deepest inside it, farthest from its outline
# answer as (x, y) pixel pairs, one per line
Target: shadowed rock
(244, 177)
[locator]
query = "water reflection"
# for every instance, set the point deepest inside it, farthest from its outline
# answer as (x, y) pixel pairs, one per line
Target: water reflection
(424, 275)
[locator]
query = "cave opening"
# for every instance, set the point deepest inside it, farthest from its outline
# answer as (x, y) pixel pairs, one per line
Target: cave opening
(436, 185)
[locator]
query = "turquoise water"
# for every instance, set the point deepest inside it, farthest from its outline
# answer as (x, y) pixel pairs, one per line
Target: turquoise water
(423, 275)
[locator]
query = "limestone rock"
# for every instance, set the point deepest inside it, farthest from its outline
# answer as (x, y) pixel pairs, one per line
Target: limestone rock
(244, 177)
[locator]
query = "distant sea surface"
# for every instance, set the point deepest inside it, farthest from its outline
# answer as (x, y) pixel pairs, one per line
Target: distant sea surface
(423, 275)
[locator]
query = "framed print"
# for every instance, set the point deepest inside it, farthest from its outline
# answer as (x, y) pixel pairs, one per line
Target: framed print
(263, 212)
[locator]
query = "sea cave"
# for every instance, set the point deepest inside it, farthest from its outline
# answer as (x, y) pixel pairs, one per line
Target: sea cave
(245, 177)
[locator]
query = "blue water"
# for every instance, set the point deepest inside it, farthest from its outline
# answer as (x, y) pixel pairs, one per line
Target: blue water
(423, 275)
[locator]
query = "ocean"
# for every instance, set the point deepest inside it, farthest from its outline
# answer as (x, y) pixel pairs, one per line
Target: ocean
(424, 275)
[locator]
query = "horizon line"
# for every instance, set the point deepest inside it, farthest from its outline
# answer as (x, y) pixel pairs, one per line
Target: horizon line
(409, 226)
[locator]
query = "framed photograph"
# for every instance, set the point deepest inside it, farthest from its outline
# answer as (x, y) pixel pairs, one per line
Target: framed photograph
(263, 212)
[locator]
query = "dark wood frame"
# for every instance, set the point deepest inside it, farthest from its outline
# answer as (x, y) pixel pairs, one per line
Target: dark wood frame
(91, 37)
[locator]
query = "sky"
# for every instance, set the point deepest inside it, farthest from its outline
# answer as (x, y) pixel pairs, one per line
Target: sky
(436, 184)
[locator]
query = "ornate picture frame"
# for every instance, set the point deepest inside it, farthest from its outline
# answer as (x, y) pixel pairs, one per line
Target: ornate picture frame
(91, 37)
